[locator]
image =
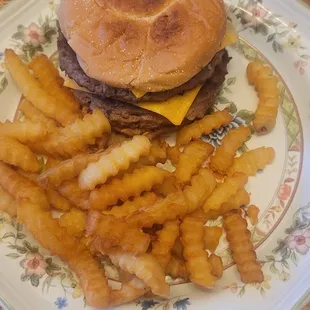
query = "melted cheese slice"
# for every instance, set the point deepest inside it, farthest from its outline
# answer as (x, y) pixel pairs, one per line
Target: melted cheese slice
(174, 108)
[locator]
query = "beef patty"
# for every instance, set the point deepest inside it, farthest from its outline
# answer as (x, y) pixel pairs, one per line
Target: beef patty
(69, 64)
(130, 119)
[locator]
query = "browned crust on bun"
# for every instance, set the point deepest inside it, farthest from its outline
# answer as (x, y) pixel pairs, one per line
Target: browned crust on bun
(145, 44)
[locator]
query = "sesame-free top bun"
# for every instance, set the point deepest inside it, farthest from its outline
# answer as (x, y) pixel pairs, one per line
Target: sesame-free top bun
(150, 45)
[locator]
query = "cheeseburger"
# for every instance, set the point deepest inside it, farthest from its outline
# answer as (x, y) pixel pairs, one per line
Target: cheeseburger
(150, 65)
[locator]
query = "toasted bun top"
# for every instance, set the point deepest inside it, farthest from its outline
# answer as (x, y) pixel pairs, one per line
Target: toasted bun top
(151, 45)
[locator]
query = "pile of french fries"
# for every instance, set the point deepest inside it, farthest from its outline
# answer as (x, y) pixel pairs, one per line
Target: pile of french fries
(116, 201)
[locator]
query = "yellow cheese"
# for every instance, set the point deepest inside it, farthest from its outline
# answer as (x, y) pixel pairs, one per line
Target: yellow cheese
(230, 37)
(138, 93)
(174, 109)
(73, 85)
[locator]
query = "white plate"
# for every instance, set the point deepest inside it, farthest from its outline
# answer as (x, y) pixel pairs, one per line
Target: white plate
(31, 279)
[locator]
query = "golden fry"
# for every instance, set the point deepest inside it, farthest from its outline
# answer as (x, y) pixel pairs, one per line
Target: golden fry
(14, 153)
(36, 116)
(113, 161)
(176, 268)
(172, 207)
(193, 156)
(7, 203)
(71, 190)
(217, 265)
(33, 92)
(20, 187)
(114, 233)
(266, 84)
(23, 131)
(129, 292)
(67, 170)
(158, 153)
(129, 207)
(212, 237)
(242, 198)
(51, 162)
(224, 191)
(56, 200)
(249, 162)
(74, 222)
(173, 154)
(197, 264)
(177, 249)
(74, 138)
(202, 185)
(143, 266)
(239, 239)
(167, 187)
(51, 236)
(161, 248)
(253, 212)
(48, 76)
(131, 185)
(225, 153)
(204, 126)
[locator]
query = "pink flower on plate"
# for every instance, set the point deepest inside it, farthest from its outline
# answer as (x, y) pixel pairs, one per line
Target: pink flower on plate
(299, 240)
(34, 35)
(34, 263)
(254, 13)
(284, 191)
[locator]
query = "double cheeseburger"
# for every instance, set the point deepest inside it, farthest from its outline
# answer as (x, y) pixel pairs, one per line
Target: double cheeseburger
(150, 65)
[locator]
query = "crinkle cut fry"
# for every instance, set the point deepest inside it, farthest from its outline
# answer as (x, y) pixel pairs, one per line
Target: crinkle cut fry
(7, 203)
(131, 185)
(25, 132)
(158, 153)
(20, 187)
(204, 126)
(71, 190)
(252, 161)
(176, 268)
(193, 156)
(197, 264)
(174, 153)
(202, 185)
(113, 161)
(35, 115)
(74, 221)
(48, 76)
(14, 153)
(161, 248)
(55, 238)
(33, 92)
(145, 267)
(167, 187)
(72, 139)
(224, 191)
(266, 84)
(225, 153)
(129, 292)
(172, 207)
(117, 233)
(129, 207)
(68, 169)
(239, 239)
